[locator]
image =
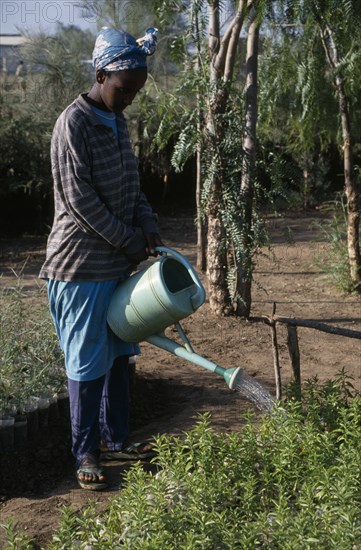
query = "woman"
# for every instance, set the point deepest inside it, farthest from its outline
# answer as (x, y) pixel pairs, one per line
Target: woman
(103, 227)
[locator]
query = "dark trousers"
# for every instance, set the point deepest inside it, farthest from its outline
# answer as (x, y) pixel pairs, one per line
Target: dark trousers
(99, 410)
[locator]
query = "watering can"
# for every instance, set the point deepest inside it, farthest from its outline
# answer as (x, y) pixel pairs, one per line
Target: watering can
(159, 296)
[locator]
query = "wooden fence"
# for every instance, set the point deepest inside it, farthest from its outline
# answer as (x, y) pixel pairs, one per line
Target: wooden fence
(292, 342)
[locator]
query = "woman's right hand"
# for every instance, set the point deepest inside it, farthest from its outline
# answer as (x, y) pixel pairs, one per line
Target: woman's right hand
(135, 250)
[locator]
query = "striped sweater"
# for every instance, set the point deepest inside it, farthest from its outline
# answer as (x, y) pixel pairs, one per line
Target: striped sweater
(98, 201)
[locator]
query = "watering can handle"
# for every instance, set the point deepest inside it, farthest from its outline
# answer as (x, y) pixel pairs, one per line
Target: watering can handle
(200, 296)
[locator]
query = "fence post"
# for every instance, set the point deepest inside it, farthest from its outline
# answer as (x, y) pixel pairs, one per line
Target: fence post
(294, 353)
(276, 362)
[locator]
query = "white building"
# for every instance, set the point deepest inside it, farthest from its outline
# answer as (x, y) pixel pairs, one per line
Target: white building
(10, 45)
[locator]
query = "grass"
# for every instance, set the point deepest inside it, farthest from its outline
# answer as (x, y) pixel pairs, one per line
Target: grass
(334, 261)
(31, 362)
(291, 481)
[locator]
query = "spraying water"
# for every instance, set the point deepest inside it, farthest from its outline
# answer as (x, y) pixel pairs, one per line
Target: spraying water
(254, 391)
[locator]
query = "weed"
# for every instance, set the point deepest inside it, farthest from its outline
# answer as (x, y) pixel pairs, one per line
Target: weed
(334, 260)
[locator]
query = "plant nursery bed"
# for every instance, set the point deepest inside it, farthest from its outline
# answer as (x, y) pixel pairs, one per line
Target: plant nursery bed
(46, 459)
(170, 393)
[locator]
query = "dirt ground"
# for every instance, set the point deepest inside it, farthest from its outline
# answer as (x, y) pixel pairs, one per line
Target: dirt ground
(170, 393)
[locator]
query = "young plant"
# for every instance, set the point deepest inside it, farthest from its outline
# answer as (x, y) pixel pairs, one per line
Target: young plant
(290, 480)
(14, 539)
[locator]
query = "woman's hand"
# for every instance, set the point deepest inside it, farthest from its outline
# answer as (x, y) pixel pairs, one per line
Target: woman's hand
(153, 240)
(135, 250)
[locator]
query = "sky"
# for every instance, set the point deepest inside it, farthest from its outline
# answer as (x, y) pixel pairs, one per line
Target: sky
(43, 15)
(35, 15)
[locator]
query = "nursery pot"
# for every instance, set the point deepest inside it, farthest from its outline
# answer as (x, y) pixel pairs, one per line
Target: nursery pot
(63, 404)
(33, 420)
(32, 416)
(20, 431)
(53, 409)
(43, 412)
(6, 433)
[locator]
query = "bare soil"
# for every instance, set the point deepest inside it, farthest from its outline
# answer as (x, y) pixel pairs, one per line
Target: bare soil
(170, 393)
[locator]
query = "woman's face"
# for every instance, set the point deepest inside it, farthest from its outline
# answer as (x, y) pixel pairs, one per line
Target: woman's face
(118, 89)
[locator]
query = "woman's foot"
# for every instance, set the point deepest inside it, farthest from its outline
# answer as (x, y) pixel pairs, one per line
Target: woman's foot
(89, 475)
(131, 451)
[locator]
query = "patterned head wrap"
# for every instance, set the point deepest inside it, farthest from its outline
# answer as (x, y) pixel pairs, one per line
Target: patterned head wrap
(116, 50)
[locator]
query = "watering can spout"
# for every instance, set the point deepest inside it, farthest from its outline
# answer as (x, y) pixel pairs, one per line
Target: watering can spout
(231, 376)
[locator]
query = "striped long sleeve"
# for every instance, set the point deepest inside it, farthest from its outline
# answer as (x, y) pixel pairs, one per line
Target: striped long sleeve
(97, 198)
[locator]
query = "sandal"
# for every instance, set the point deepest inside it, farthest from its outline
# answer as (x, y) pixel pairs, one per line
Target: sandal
(89, 467)
(133, 451)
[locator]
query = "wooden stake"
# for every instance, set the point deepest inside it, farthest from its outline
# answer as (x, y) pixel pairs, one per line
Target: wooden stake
(294, 352)
(276, 362)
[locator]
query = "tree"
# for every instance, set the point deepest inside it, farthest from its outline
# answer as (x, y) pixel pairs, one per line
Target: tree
(244, 264)
(315, 45)
(231, 235)
(338, 45)
(61, 69)
(296, 119)
(228, 209)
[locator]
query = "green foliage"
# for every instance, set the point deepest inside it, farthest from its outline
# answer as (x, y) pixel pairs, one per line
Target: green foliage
(288, 481)
(55, 75)
(298, 106)
(14, 539)
(134, 17)
(175, 119)
(61, 62)
(73, 528)
(334, 259)
(284, 177)
(224, 162)
(24, 159)
(31, 363)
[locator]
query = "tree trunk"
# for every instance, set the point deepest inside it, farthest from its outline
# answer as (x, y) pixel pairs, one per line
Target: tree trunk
(216, 251)
(351, 190)
(217, 261)
(201, 234)
(201, 240)
(244, 268)
(222, 57)
(306, 190)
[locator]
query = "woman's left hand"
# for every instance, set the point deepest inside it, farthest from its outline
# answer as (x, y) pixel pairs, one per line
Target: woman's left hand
(153, 240)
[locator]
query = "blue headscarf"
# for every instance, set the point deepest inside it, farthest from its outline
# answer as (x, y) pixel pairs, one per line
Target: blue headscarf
(117, 50)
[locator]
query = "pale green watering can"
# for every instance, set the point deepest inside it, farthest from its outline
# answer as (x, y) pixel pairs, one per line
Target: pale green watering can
(157, 297)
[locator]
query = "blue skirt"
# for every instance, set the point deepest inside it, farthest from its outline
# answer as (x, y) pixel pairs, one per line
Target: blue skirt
(79, 311)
